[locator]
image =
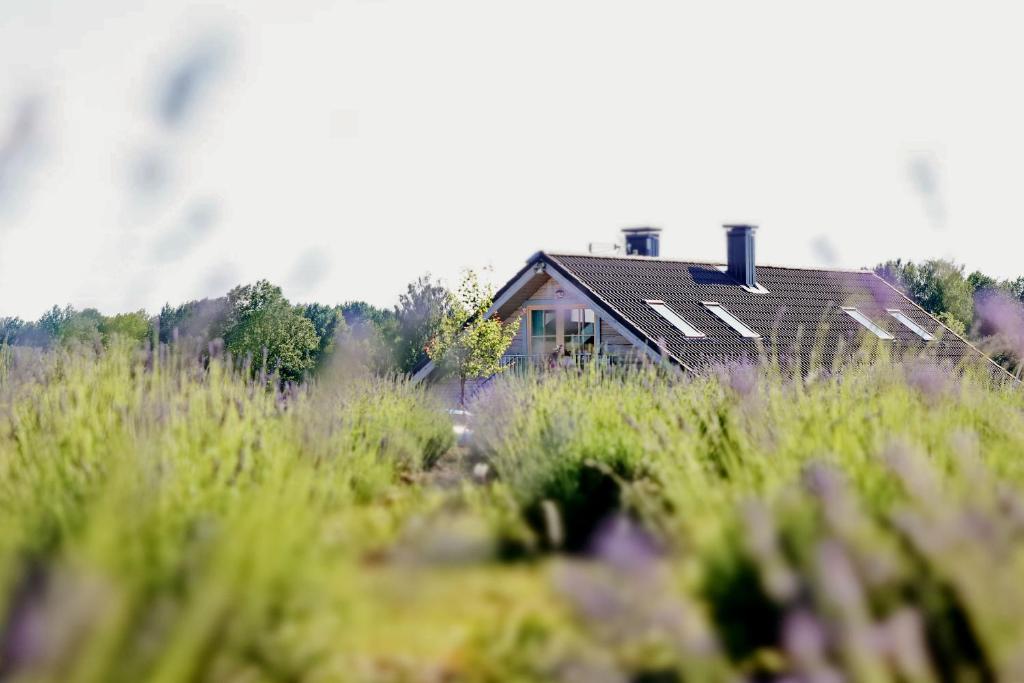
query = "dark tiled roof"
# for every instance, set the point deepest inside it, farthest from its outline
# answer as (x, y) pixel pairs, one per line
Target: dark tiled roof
(800, 306)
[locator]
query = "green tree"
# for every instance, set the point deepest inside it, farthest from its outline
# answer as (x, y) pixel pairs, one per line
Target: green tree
(203, 320)
(328, 323)
(131, 326)
(52, 324)
(953, 323)
(417, 316)
(980, 282)
(82, 327)
(10, 329)
(1015, 288)
(468, 344)
(360, 312)
(937, 285)
(370, 336)
(260, 320)
(19, 332)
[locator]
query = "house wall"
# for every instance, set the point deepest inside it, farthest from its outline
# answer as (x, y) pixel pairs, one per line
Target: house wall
(547, 293)
(611, 341)
(518, 346)
(545, 296)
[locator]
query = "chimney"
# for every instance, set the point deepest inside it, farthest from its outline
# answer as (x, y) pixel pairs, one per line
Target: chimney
(642, 241)
(740, 246)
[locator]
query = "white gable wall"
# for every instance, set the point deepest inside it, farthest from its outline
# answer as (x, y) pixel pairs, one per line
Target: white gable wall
(610, 340)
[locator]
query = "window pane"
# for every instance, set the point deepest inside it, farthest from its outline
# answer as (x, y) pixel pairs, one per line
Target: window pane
(579, 330)
(543, 332)
(675, 319)
(866, 322)
(542, 346)
(910, 324)
(542, 323)
(730, 320)
(536, 322)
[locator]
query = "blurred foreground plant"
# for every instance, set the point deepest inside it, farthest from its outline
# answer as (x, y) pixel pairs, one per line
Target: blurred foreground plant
(165, 517)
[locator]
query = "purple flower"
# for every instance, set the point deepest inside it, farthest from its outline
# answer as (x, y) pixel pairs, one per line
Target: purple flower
(804, 639)
(930, 380)
(1002, 316)
(624, 545)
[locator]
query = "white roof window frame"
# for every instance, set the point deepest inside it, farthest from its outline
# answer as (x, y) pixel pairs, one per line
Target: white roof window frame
(723, 314)
(677, 321)
(909, 323)
(867, 323)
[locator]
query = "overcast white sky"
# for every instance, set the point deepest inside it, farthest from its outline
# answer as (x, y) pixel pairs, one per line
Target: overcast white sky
(159, 151)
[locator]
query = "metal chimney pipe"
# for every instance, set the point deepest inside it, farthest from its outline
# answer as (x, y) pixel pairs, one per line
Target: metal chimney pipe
(642, 241)
(739, 241)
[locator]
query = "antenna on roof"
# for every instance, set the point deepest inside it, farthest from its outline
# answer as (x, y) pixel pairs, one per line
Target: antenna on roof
(603, 247)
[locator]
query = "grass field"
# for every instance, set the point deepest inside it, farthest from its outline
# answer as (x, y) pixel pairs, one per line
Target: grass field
(167, 520)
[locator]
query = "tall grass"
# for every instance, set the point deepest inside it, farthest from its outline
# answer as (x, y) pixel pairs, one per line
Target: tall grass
(166, 519)
(866, 526)
(162, 517)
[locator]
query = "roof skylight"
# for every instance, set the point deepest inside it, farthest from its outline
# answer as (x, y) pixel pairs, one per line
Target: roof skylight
(866, 322)
(676, 320)
(909, 324)
(730, 320)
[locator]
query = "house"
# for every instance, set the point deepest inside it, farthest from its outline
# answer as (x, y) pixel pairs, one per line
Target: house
(617, 308)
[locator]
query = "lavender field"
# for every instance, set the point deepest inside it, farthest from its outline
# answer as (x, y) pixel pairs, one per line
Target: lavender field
(165, 518)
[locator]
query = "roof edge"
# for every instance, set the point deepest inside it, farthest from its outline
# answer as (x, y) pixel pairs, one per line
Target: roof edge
(699, 262)
(941, 324)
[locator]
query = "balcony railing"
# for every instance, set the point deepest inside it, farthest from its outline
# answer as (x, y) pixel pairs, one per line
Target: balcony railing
(522, 364)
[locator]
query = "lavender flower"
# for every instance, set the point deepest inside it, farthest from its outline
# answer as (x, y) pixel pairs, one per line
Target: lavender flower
(623, 544)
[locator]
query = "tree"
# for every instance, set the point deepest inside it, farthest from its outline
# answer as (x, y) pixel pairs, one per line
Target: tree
(937, 285)
(53, 323)
(371, 335)
(953, 323)
(980, 282)
(81, 327)
(328, 323)
(261, 320)
(203, 320)
(18, 332)
(1015, 288)
(360, 312)
(468, 344)
(418, 315)
(130, 326)
(10, 329)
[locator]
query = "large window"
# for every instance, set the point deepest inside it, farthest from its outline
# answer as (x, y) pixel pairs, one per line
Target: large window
(543, 331)
(580, 325)
(573, 329)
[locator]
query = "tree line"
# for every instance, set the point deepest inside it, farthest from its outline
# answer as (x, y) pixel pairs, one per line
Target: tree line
(258, 323)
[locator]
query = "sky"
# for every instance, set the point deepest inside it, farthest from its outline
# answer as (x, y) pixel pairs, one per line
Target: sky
(155, 152)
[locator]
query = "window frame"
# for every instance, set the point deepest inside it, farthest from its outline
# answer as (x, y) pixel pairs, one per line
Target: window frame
(867, 323)
(533, 338)
(909, 323)
(729, 318)
(560, 335)
(567, 334)
(679, 322)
